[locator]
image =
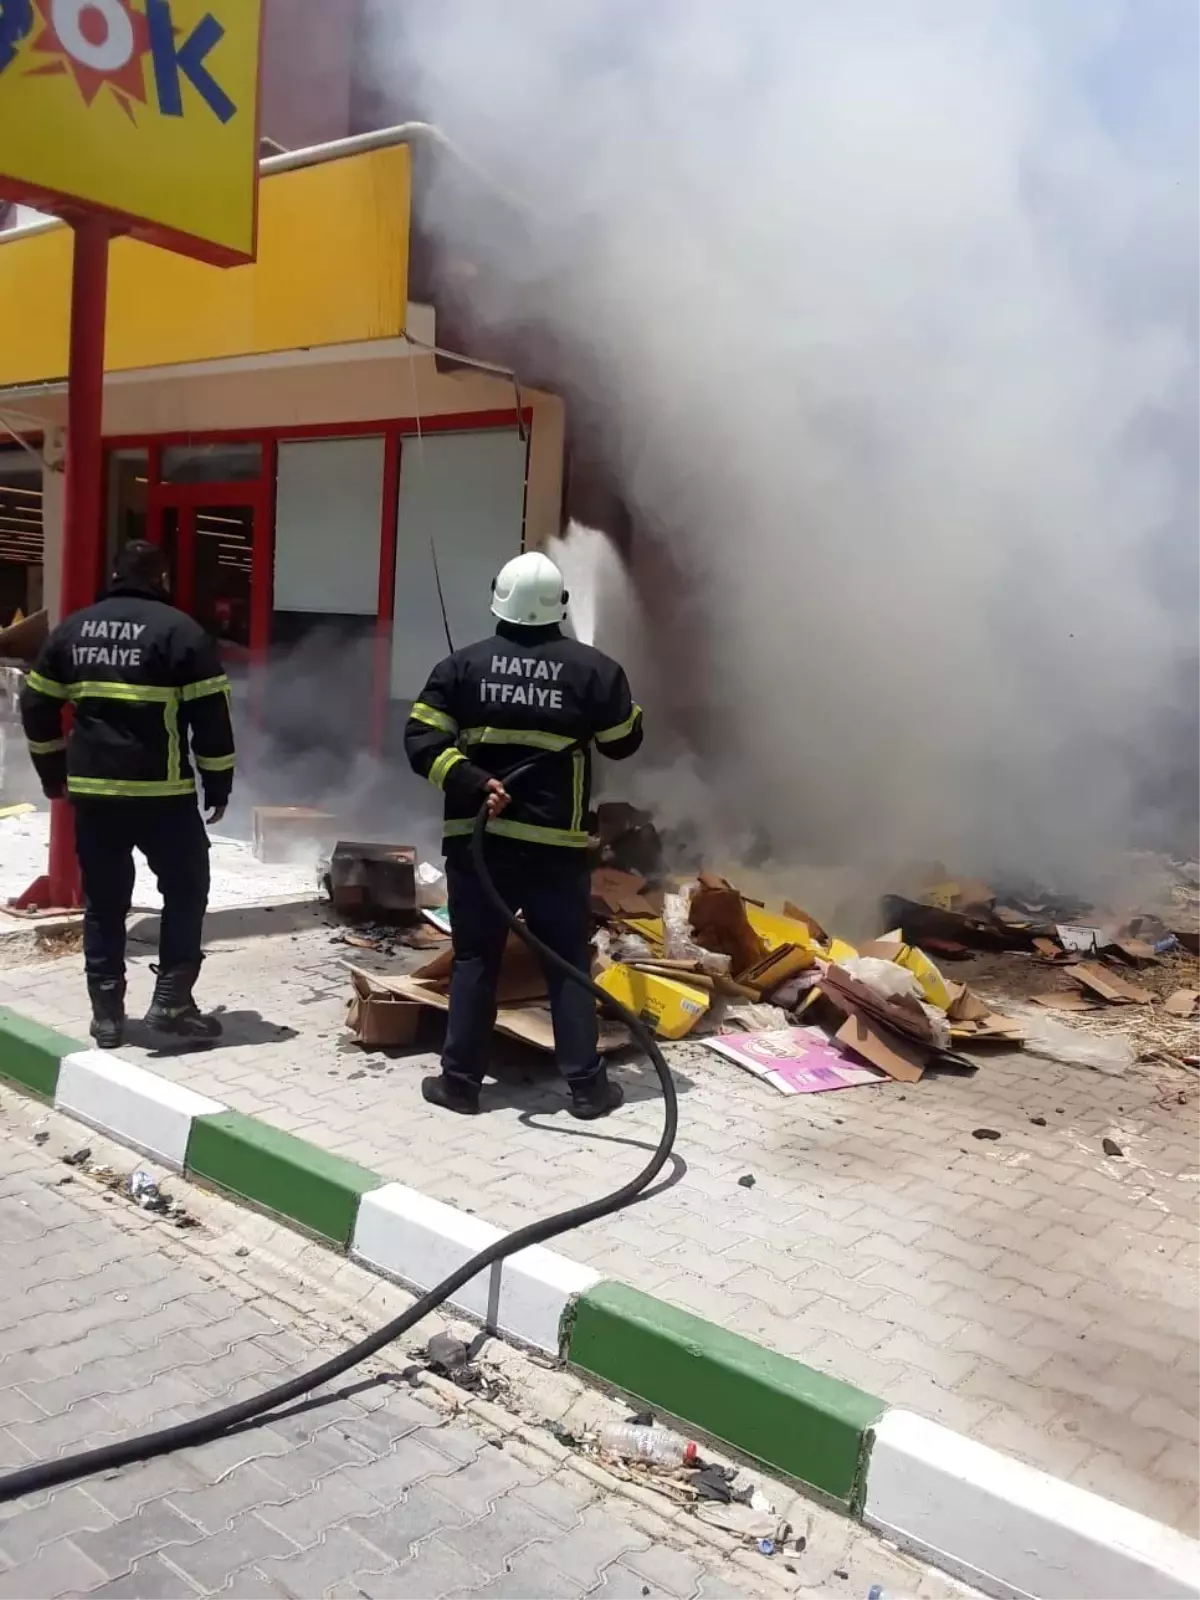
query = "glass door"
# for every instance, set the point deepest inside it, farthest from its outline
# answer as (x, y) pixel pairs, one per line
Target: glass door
(222, 548)
(208, 533)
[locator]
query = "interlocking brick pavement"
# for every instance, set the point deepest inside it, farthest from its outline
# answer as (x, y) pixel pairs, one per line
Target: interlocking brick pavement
(1030, 1292)
(378, 1490)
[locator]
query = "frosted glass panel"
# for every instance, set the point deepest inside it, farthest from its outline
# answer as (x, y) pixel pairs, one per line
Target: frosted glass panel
(466, 492)
(328, 514)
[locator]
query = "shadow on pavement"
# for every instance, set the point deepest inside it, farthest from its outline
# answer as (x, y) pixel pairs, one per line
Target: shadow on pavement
(239, 1028)
(240, 922)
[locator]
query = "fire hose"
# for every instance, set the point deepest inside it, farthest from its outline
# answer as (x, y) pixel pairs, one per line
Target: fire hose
(200, 1430)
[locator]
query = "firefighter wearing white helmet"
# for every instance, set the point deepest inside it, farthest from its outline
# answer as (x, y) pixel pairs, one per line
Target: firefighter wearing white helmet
(528, 591)
(484, 711)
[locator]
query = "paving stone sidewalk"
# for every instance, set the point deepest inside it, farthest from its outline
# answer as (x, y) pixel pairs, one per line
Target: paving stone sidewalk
(1031, 1292)
(372, 1494)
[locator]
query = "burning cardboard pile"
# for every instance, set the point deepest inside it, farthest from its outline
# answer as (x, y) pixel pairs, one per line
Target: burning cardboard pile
(770, 989)
(709, 951)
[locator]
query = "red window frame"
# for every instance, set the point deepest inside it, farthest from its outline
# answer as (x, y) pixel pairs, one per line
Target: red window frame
(261, 493)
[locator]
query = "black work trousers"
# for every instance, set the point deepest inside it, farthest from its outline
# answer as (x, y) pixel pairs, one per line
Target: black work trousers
(171, 835)
(551, 885)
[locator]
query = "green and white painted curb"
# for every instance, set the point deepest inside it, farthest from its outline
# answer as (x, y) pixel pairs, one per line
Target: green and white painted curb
(1010, 1530)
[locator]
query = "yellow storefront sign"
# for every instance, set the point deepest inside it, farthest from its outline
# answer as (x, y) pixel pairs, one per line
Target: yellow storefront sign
(332, 269)
(143, 110)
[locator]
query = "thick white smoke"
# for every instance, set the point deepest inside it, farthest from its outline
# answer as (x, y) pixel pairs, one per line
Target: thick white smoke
(887, 310)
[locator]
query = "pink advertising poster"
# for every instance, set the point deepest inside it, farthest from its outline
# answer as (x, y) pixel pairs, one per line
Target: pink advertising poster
(793, 1060)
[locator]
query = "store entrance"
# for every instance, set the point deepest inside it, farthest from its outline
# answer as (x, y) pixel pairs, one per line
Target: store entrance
(208, 533)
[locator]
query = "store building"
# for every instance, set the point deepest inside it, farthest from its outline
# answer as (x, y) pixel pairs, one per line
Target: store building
(285, 432)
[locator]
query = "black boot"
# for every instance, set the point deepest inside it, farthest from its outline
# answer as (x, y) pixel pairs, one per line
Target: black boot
(108, 1012)
(173, 1010)
(595, 1098)
(451, 1094)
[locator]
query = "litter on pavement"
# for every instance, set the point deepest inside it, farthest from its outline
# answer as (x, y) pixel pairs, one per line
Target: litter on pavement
(768, 987)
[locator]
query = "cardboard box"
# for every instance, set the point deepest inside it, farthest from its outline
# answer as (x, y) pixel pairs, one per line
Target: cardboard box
(779, 929)
(793, 1060)
(965, 1005)
(957, 894)
(521, 976)
(899, 1058)
(374, 880)
(798, 914)
(377, 1018)
(1066, 1000)
(282, 835)
(1000, 1030)
(616, 894)
(777, 968)
(839, 950)
(1109, 986)
(720, 921)
(672, 1008)
(1137, 952)
(529, 1023)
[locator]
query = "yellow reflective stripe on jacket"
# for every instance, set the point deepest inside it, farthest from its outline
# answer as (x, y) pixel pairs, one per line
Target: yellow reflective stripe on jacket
(206, 686)
(216, 763)
(577, 766)
(48, 686)
(622, 729)
(440, 769)
(528, 832)
(433, 719)
(532, 834)
(129, 789)
(171, 719)
(537, 737)
(134, 693)
(50, 747)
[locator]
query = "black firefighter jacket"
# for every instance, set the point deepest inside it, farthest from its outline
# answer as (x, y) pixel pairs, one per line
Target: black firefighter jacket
(144, 681)
(488, 708)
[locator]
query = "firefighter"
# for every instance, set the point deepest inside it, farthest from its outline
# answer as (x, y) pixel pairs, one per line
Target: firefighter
(485, 710)
(144, 681)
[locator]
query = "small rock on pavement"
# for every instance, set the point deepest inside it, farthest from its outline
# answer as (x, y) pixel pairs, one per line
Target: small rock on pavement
(747, 1181)
(984, 1133)
(446, 1352)
(1038, 1122)
(1111, 1147)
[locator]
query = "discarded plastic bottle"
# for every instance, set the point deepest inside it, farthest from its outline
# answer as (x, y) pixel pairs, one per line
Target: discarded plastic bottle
(637, 1443)
(878, 1592)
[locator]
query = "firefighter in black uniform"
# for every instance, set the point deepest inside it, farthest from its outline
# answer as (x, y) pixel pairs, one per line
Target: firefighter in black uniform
(484, 711)
(143, 680)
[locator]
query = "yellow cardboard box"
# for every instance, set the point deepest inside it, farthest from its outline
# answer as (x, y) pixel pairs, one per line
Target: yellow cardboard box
(933, 985)
(670, 1007)
(779, 930)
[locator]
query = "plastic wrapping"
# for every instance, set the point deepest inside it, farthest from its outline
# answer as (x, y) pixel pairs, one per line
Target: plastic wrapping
(677, 930)
(883, 978)
(626, 946)
(939, 1025)
(677, 935)
(1110, 1053)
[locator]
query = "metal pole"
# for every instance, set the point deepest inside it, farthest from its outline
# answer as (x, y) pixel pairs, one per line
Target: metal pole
(82, 555)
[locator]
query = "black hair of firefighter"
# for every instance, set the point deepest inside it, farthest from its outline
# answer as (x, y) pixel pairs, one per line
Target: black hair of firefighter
(139, 561)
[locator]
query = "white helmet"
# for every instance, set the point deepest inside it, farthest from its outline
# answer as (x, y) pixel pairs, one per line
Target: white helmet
(529, 591)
